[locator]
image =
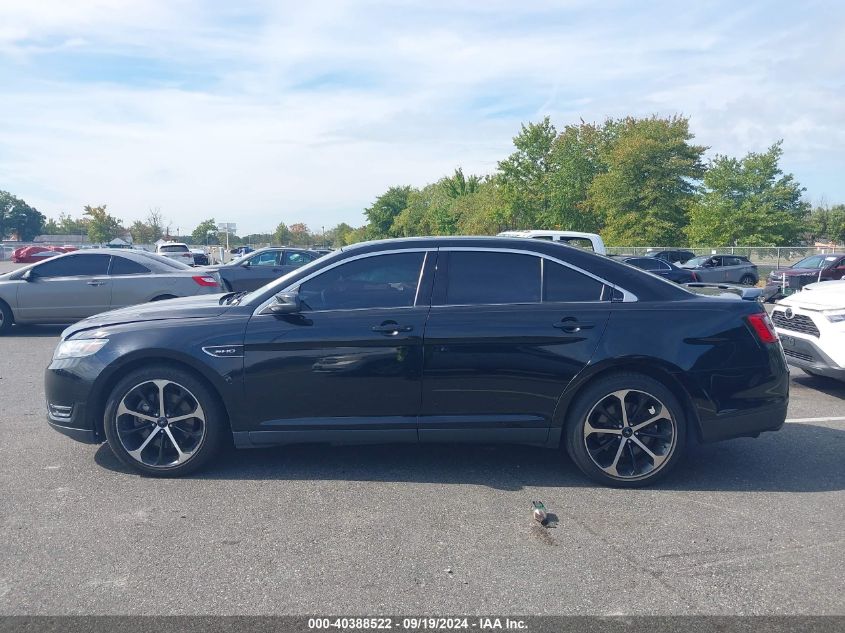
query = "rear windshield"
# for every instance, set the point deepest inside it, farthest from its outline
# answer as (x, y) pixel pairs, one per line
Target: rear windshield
(173, 248)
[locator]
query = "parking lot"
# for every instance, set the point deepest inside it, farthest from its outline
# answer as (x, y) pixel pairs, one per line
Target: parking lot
(750, 526)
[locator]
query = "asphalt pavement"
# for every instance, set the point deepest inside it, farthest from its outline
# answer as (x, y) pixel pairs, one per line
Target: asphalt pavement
(750, 526)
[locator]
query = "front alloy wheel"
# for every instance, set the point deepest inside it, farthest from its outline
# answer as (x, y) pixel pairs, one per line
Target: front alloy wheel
(626, 430)
(162, 422)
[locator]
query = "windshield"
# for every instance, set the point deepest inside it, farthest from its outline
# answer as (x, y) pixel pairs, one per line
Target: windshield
(697, 261)
(814, 261)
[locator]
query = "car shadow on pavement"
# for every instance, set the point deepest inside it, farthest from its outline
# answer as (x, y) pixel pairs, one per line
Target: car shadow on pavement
(830, 386)
(799, 458)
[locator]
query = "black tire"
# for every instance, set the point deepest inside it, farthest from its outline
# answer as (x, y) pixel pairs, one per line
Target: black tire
(163, 298)
(6, 318)
(665, 437)
(748, 280)
(178, 447)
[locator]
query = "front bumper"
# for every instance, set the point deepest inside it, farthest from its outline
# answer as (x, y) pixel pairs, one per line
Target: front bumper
(67, 392)
(805, 354)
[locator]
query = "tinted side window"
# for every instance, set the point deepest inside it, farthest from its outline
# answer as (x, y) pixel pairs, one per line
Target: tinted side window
(123, 266)
(381, 281)
(564, 284)
(485, 277)
(646, 263)
(732, 261)
(74, 266)
(268, 258)
(293, 258)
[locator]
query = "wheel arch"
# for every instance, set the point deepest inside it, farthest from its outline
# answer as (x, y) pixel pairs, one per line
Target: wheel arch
(657, 369)
(9, 308)
(103, 387)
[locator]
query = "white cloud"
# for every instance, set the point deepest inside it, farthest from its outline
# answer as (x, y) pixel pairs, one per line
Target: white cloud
(266, 112)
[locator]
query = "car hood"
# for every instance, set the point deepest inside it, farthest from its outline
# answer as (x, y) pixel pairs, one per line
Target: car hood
(828, 295)
(184, 308)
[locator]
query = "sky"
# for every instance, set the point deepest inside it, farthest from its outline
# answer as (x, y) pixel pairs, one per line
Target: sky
(258, 112)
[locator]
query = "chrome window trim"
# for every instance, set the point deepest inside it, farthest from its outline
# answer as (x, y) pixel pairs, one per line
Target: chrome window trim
(317, 273)
(627, 297)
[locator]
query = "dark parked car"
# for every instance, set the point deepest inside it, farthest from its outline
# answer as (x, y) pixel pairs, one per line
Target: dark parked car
(200, 257)
(784, 281)
(428, 340)
(662, 268)
(724, 269)
(261, 267)
(672, 256)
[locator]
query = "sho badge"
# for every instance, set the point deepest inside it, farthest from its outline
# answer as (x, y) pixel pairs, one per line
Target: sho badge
(224, 351)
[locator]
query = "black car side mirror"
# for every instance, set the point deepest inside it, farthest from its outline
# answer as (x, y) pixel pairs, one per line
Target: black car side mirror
(246, 265)
(28, 275)
(285, 303)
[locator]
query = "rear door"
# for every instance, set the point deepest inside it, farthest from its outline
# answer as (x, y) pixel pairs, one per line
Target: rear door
(131, 282)
(506, 333)
(66, 289)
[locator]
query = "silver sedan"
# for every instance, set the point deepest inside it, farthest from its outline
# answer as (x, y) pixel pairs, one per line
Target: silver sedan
(76, 285)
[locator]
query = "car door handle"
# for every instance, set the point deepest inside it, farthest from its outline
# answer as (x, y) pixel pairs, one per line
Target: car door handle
(391, 327)
(95, 282)
(570, 325)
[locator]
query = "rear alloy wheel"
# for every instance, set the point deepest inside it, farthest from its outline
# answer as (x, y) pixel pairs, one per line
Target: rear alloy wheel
(627, 430)
(5, 318)
(748, 280)
(163, 422)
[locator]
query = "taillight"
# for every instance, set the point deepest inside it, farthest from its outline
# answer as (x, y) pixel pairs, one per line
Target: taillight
(695, 277)
(763, 328)
(205, 280)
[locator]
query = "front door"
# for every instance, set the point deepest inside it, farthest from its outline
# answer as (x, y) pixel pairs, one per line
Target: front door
(506, 334)
(348, 366)
(66, 289)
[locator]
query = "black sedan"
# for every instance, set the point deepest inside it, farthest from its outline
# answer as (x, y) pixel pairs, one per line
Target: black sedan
(662, 268)
(428, 340)
(255, 269)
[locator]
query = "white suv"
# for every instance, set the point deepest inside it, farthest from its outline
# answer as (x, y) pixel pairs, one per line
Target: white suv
(176, 250)
(811, 327)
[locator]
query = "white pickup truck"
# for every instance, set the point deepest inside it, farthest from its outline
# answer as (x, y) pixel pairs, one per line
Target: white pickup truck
(590, 241)
(811, 327)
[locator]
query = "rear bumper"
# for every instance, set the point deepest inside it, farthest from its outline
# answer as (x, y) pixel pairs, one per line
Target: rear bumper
(744, 425)
(807, 355)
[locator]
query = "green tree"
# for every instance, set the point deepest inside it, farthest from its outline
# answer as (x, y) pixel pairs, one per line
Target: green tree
(205, 233)
(102, 227)
(383, 212)
(576, 157)
(749, 202)
(17, 217)
(282, 234)
(649, 186)
(484, 212)
(525, 174)
(338, 236)
(458, 185)
(827, 223)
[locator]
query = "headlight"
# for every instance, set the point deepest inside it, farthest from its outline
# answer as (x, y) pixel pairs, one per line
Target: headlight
(79, 348)
(835, 316)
